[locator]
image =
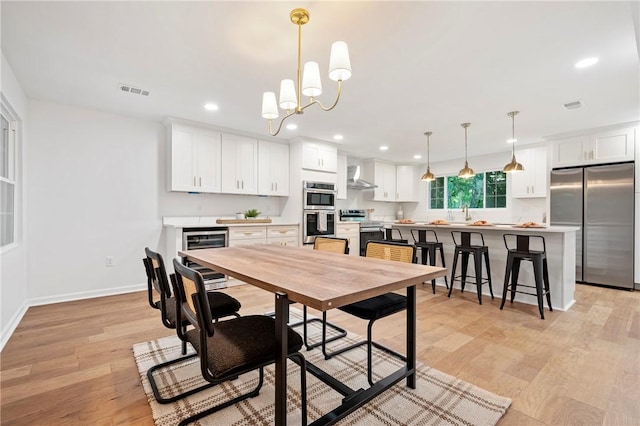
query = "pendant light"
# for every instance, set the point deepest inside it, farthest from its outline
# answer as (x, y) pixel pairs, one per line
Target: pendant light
(428, 176)
(513, 166)
(466, 172)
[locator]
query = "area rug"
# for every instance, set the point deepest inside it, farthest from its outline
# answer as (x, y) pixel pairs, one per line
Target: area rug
(439, 399)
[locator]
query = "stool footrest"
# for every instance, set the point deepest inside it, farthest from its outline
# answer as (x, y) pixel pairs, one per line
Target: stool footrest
(471, 279)
(544, 292)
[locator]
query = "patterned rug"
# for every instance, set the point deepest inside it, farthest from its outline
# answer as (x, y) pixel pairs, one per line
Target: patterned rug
(439, 399)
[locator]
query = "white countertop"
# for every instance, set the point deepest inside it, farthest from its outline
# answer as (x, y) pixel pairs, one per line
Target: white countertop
(500, 228)
(209, 221)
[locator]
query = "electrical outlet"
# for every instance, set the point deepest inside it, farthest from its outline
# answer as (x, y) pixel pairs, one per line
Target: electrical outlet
(108, 261)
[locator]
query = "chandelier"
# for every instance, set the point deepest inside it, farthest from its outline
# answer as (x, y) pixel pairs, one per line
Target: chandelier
(309, 83)
(428, 176)
(466, 172)
(513, 166)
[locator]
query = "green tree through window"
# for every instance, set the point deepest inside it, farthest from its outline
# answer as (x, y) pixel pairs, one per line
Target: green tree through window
(436, 196)
(484, 190)
(496, 186)
(465, 192)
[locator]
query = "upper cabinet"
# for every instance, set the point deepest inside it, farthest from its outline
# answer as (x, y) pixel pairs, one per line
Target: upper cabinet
(532, 182)
(318, 156)
(406, 184)
(341, 178)
(195, 159)
(240, 165)
(273, 168)
(604, 147)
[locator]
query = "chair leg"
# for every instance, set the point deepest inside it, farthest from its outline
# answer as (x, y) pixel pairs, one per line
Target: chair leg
(154, 385)
(488, 266)
(465, 266)
(514, 277)
(443, 265)
(507, 275)
(341, 331)
(453, 271)
(537, 272)
(545, 272)
(477, 260)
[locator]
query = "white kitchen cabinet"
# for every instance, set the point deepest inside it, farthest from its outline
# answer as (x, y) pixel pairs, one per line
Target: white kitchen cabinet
(341, 178)
(273, 169)
(384, 176)
(406, 184)
(195, 159)
(350, 231)
(318, 156)
(239, 165)
(603, 147)
(532, 182)
(247, 235)
(283, 235)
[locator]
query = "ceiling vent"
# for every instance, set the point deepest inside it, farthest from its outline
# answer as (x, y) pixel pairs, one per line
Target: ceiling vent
(573, 105)
(130, 89)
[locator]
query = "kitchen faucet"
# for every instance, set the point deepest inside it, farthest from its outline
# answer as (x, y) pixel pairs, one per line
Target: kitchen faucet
(465, 209)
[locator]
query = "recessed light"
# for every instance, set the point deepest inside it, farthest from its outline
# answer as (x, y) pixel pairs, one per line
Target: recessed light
(292, 126)
(417, 156)
(211, 107)
(512, 140)
(587, 62)
(338, 137)
(384, 148)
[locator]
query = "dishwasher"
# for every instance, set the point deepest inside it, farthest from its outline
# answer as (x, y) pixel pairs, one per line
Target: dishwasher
(206, 238)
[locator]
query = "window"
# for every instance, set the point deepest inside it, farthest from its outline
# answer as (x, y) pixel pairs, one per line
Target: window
(7, 184)
(484, 190)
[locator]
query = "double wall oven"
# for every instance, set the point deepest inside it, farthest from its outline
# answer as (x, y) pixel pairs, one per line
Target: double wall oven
(319, 210)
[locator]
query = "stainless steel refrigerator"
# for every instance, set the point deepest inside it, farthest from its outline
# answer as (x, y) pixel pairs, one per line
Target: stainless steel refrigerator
(600, 200)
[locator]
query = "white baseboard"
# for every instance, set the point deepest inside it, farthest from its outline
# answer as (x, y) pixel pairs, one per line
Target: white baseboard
(8, 330)
(85, 295)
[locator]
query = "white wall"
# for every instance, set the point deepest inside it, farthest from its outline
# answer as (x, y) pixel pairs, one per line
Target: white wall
(98, 188)
(13, 269)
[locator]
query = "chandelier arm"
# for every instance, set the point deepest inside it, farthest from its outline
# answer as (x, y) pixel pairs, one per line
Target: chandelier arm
(317, 102)
(280, 125)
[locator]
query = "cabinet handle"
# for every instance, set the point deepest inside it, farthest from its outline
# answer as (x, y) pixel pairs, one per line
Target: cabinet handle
(586, 155)
(247, 233)
(592, 154)
(194, 181)
(242, 184)
(237, 184)
(272, 186)
(200, 180)
(276, 186)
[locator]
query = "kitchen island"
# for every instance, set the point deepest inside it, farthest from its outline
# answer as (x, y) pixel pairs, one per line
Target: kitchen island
(561, 258)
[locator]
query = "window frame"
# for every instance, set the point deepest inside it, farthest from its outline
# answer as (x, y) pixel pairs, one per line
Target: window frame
(485, 192)
(11, 178)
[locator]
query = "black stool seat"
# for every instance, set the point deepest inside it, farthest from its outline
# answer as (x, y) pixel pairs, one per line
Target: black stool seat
(519, 249)
(466, 244)
(428, 244)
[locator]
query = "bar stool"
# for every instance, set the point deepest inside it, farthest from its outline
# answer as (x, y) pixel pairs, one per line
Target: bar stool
(394, 235)
(428, 243)
(467, 243)
(519, 249)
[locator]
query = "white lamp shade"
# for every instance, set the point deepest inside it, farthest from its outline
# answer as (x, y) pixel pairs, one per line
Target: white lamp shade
(339, 63)
(269, 105)
(311, 84)
(288, 99)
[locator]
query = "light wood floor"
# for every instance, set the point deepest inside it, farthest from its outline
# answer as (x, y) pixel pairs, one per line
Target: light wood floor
(72, 363)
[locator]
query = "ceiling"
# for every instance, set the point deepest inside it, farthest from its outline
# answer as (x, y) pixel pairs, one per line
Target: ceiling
(417, 66)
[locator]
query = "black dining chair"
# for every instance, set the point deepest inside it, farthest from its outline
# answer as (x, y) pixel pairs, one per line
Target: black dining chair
(228, 349)
(377, 307)
(222, 305)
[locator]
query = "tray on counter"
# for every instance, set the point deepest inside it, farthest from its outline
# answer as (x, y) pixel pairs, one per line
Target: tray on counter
(230, 221)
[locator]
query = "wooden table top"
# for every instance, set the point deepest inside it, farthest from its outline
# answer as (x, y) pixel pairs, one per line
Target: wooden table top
(318, 279)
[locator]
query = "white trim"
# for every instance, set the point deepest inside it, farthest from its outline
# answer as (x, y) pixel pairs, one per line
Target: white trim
(8, 330)
(86, 295)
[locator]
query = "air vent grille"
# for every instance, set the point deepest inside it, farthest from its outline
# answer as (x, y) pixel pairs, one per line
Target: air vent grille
(573, 105)
(130, 89)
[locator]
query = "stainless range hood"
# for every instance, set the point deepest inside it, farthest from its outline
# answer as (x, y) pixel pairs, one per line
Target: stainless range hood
(354, 181)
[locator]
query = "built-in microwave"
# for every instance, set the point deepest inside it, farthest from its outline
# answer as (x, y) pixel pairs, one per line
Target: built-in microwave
(319, 196)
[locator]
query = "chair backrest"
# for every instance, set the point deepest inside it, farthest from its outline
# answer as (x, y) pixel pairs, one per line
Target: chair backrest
(159, 278)
(332, 244)
(424, 236)
(192, 297)
(388, 250)
(394, 235)
(151, 280)
(467, 238)
(524, 243)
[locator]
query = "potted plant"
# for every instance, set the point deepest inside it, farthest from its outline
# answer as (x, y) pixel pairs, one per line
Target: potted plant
(251, 214)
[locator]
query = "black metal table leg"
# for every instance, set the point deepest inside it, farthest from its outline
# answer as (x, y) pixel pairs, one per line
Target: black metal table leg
(411, 336)
(282, 317)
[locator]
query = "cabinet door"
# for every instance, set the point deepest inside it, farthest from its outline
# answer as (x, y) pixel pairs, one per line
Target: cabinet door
(350, 231)
(539, 175)
(341, 177)
(613, 146)
(239, 165)
(532, 182)
(384, 175)
(321, 157)
(183, 175)
(406, 183)
(207, 158)
(273, 168)
(571, 151)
